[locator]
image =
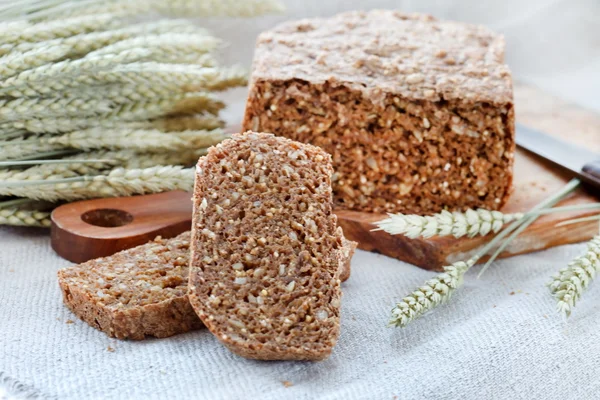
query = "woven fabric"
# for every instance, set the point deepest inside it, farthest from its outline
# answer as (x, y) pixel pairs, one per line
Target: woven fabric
(498, 338)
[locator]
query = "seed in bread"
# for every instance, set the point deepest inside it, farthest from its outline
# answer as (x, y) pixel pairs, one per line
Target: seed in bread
(266, 250)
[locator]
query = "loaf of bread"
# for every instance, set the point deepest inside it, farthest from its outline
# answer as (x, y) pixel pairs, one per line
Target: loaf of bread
(135, 293)
(267, 254)
(417, 113)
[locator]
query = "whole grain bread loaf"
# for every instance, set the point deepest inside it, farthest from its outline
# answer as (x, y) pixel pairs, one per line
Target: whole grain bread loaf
(417, 113)
(267, 254)
(134, 293)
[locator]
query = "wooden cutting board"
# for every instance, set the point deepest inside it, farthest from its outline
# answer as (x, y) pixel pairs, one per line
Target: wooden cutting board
(535, 179)
(96, 228)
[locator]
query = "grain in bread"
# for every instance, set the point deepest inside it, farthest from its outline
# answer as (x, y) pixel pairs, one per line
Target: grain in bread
(266, 250)
(416, 112)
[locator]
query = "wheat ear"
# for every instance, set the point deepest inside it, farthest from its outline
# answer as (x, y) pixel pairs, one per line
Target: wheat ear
(172, 8)
(18, 217)
(168, 47)
(86, 43)
(25, 108)
(137, 139)
(55, 77)
(62, 28)
(470, 223)
(568, 285)
(441, 288)
(180, 104)
(119, 182)
(65, 125)
(16, 63)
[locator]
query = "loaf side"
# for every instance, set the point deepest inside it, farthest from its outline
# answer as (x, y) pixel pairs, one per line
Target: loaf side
(417, 113)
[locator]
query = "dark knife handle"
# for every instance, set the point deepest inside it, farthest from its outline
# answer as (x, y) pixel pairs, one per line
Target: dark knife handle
(591, 174)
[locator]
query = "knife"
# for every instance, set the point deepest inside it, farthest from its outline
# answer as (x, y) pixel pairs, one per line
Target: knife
(583, 163)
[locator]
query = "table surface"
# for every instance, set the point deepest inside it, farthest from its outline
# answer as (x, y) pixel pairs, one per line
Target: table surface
(498, 338)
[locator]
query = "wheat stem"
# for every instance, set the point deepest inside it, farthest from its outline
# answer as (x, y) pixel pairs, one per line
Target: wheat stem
(533, 214)
(48, 162)
(578, 220)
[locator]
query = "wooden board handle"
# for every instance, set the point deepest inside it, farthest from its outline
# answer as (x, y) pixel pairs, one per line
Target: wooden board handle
(90, 229)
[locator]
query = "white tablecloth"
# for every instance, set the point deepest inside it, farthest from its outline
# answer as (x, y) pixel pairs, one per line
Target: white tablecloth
(499, 338)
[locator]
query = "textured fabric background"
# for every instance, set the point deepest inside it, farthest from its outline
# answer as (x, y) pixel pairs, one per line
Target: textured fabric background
(499, 338)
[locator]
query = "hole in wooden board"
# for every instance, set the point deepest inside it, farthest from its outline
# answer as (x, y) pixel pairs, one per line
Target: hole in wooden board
(107, 217)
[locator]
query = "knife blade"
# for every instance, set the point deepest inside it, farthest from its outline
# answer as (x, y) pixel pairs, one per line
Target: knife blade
(582, 162)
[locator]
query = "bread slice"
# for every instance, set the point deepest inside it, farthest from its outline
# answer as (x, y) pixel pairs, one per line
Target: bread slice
(135, 293)
(107, 293)
(266, 250)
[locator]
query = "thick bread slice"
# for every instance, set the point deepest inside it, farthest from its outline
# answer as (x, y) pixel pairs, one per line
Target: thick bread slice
(266, 251)
(107, 293)
(135, 293)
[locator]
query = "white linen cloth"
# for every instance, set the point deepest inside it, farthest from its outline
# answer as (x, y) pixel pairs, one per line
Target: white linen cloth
(498, 338)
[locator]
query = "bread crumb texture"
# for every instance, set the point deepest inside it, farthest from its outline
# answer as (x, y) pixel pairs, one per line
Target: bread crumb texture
(416, 112)
(266, 250)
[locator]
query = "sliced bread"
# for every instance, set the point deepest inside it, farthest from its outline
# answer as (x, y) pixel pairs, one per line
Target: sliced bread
(135, 293)
(142, 291)
(267, 254)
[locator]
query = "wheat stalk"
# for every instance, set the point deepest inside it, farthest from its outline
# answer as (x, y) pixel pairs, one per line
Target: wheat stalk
(180, 104)
(70, 166)
(173, 8)
(137, 139)
(55, 77)
(19, 148)
(62, 28)
(65, 125)
(15, 63)
(568, 284)
(441, 288)
(470, 223)
(18, 217)
(83, 44)
(24, 108)
(169, 47)
(135, 82)
(119, 182)
(433, 293)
